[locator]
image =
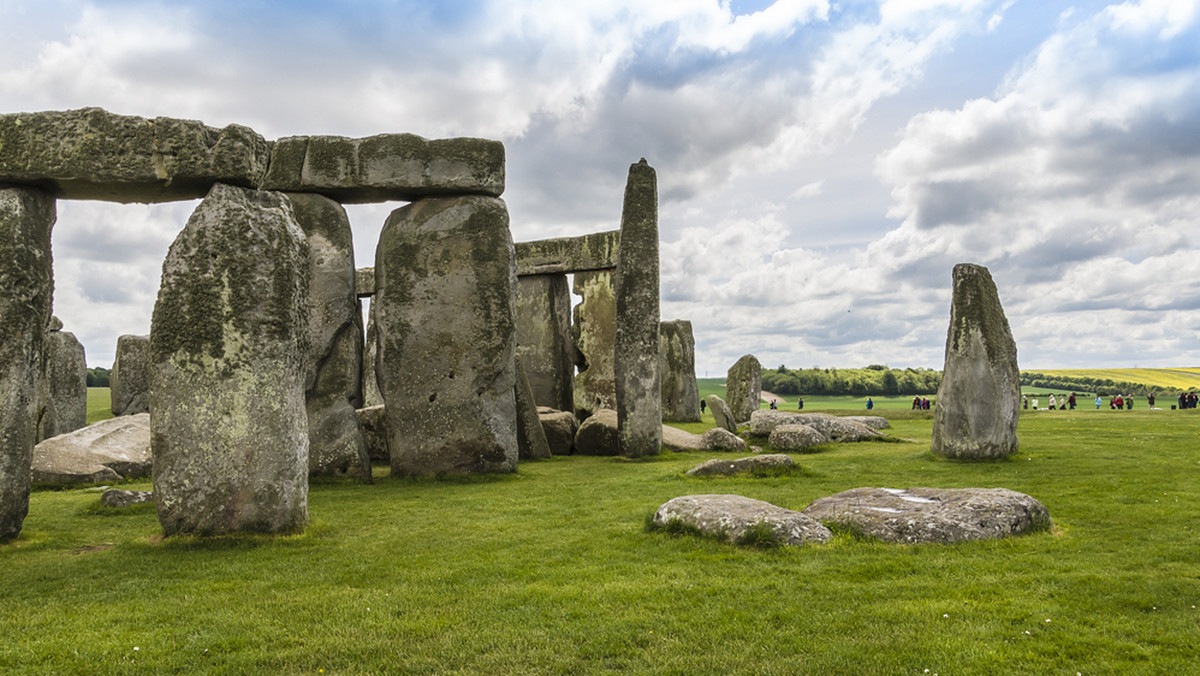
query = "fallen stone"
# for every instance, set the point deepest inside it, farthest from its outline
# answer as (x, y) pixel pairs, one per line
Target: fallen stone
(722, 416)
(763, 421)
(374, 427)
(722, 467)
(873, 421)
(129, 383)
(107, 451)
(598, 434)
(677, 366)
(560, 428)
(721, 439)
(386, 167)
(92, 154)
(531, 438)
(118, 498)
(835, 428)
(743, 387)
(680, 441)
(940, 515)
(796, 438)
(728, 517)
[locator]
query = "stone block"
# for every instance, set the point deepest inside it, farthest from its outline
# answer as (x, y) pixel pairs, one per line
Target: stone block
(594, 330)
(743, 388)
(677, 369)
(544, 344)
(129, 383)
(596, 251)
(66, 373)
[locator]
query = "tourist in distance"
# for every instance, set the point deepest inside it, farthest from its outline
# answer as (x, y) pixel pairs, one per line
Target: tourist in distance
(870, 404)
(1053, 403)
(774, 405)
(1098, 402)
(800, 403)
(1071, 401)
(702, 406)
(1129, 403)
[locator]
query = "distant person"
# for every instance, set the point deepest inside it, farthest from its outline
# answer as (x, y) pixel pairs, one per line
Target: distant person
(1053, 403)
(916, 403)
(1150, 400)
(774, 406)
(1129, 403)
(1025, 402)
(1120, 402)
(925, 404)
(1071, 401)
(800, 403)
(1034, 403)
(1098, 402)
(870, 404)
(702, 406)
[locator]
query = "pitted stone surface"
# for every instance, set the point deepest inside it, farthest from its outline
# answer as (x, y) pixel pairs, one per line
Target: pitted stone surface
(980, 396)
(677, 368)
(93, 154)
(130, 380)
(229, 356)
(796, 438)
(445, 316)
(594, 331)
(118, 498)
(386, 167)
(835, 428)
(743, 387)
(598, 434)
(66, 371)
(531, 438)
(722, 416)
(941, 515)
(721, 467)
(720, 439)
(544, 344)
(370, 386)
(364, 282)
(26, 289)
(106, 451)
(730, 516)
(597, 251)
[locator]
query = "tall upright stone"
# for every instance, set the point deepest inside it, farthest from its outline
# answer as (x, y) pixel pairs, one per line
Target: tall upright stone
(743, 387)
(129, 383)
(677, 366)
(26, 290)
(594, 332)
(334, 378)
(229, 355)
(531, 438)
(370, 386)
(544, 343)
(635, 347)
(66, 373)
(979, 399)
(445, 277)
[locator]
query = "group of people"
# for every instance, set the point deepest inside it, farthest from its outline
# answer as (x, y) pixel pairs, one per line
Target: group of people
(1056, 403)
(1187, 400)
(920, 404)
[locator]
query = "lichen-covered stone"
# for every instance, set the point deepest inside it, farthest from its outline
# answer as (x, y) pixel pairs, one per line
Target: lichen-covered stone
(677, 368)
(93, 154)
(980, 396)
(334, 378)
(370, 383)
(728, 517)
(594, 331)
(129, 384)
(364, 282)
(763, 421)
(26, 290)
(875, 422)
(722, 467)
(743, 388)
(66, 375)
(531, 438)
(445, 313)
(230, 355)
(597, 251)
(560, 428)
(386, 167)
(939, 515)
(598, 434)
(796, 438)
(544, 344)
(635, 345)
(721, 439)
(120, 499)
(721, 414)
(110, 450)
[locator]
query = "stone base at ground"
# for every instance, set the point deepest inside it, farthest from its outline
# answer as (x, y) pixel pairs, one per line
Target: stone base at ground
(560, 428)
(110, 450)
(598, 434)
(721, 467)
(941, 515)
(728, 517)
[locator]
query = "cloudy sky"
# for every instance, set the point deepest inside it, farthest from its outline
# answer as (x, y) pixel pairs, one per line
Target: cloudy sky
(822, 165)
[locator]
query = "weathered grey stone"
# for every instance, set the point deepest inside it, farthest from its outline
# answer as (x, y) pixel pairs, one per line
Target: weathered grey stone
(743, 387)
(729, 517)
(544, 344)
(980, 395)
(722, 416)
(334, 377)
(66, 375)
(386, 167)
(941, 515)
(26, 289)
(444, 310)
(364, 282)
(597, 251)
(677, 369)
(93, 154)
(531, 438)
(594, 331)
(229, 355)
(679, 441)
(370, 385)
(873, 421)
(763, 421)
(796, 438)
(129, 383)
(106, 451)
(560, 428)
(722, 467)
(374, 427)
(598, 434)
(721, 439)
(635, 346)
(119, 499)
(835, 428)
(55, 324)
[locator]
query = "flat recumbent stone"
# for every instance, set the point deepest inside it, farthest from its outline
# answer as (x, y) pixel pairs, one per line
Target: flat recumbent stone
(728, 517)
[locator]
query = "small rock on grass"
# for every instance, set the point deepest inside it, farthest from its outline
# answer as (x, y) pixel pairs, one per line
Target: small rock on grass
(722, 467)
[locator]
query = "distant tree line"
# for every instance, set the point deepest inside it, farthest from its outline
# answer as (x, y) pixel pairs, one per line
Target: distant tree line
(874, 380)
(1102, 387)
(98, 377)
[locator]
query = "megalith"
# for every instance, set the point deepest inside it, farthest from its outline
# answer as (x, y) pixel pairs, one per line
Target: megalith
(26, 290)
(334, 377)
(677, 368)
(721, 414)
(444, 308)
(544, 343)
(980, 395)
(635, 345)
(66, 376)
(129, 383)
(370, 384)
(229, 355)
(743, 387)
(594, 331)
(531, 438)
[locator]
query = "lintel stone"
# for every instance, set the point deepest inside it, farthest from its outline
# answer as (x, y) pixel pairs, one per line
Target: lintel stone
(597, 251)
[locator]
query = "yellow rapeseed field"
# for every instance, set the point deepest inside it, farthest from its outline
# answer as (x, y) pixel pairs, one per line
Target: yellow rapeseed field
(1182, 378)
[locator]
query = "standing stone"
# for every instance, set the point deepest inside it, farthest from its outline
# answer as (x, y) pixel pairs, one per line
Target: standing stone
(66, 373)
(334, 382)
(370, 386)
(544, 343)
(594, 332)
(531, 438)
(129, 384)
(444, 308)
(980, 395)
(229, 356)
(677, 365)
(721, 414)
(26, 290)
(743, 387)
(635, 349)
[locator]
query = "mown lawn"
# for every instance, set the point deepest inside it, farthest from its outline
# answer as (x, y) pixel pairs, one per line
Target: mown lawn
(551, 571)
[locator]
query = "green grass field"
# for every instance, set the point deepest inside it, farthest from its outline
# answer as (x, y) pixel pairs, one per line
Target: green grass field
(551, 571)
(99, 404)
